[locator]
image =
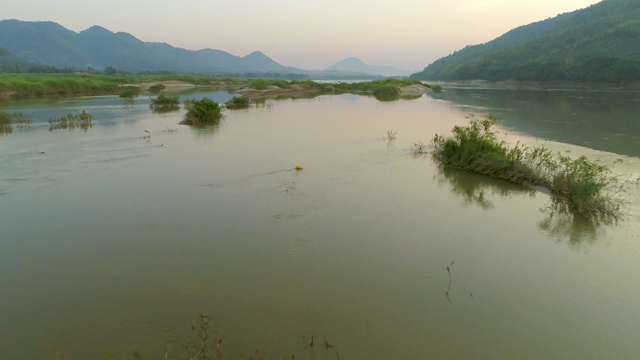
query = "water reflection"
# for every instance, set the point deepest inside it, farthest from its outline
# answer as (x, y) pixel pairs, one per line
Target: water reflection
(206, 130)
(128, 103)
(562, 224)
(559, 224)
(478, 190)
(5, 128)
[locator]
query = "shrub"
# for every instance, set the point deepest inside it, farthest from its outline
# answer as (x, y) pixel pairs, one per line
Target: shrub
(238, 102)
(129, 92)
(585, 187)
(164, 103)
(156, 88)
(203, 111)
(386, 92)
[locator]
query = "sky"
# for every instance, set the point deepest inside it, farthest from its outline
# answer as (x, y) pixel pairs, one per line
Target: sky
(309, 34)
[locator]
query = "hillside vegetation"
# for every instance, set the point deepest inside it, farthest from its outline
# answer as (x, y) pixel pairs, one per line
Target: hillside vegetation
(599, 44)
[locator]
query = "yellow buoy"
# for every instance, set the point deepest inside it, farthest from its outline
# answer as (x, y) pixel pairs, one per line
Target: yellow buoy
(298, 167)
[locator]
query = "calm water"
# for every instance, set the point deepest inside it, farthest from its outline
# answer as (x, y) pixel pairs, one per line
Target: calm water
(111, 242)
(607, 120)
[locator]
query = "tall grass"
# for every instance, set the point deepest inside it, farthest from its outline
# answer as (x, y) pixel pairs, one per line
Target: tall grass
(20, 120)
(586, 188)
(82, 120)
(165, 103)
(238, 102)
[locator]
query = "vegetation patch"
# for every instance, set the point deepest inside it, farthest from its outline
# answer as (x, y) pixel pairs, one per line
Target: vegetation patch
(585, 188)
(203, 112)
(129, 92)
(238, 102)
(156, 88)
(19, 120)
(165, 103)
(82, 120)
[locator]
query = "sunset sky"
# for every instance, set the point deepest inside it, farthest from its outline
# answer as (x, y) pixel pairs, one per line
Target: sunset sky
(408, 34)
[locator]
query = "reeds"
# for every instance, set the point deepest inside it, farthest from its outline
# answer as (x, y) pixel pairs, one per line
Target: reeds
(587, 188)
(82, 120)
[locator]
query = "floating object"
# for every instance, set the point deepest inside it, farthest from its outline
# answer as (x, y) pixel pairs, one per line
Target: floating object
(298, 167)
(41, 151)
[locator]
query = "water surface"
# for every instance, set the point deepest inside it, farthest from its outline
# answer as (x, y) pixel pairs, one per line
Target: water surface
(113, 241)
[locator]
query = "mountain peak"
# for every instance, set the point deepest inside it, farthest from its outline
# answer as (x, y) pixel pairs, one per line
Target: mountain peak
(355, 65)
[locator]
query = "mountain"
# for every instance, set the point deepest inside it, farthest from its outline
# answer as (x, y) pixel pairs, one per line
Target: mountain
(600, 43)
(10, 62)
(50, 44)
(358, 67)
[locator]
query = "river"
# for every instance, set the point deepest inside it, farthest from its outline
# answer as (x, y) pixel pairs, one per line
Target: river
(115, 238)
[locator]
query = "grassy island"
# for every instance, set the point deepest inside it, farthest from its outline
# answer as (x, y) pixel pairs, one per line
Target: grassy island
(585, 188)
(132, 85)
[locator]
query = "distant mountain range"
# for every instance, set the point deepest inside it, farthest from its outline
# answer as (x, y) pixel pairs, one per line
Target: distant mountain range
(357, 66)
(600, 43)
(47, 44)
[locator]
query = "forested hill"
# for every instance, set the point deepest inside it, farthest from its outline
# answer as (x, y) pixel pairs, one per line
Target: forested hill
(599, 44)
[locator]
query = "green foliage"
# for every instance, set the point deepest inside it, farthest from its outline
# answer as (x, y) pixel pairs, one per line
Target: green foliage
(259, 84)
(129, 92)
(7, 121)
(238, 102)
(156, 88)
(386, 92)
(82, 120)
(586, 188)
(165, 103)
(202, 112)
(263, 84)
(596, 44)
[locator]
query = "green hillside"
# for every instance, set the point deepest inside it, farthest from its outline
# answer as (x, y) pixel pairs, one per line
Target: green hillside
(599, 44)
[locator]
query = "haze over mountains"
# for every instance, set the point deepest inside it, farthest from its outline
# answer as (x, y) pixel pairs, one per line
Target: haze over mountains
(600, 43)
(50, 44)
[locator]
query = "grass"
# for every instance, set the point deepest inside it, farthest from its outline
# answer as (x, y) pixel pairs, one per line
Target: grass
(238, 102)
(7, 122)
(82, 120)
(130, 92)
(156, 88)
(165, 103)
(586, 188)
(202, 112)
(74, 84)
(26, 85)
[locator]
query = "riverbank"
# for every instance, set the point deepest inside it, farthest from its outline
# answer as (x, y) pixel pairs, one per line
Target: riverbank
(14, 86)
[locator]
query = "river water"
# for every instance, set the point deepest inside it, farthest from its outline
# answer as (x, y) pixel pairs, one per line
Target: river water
(115, 238)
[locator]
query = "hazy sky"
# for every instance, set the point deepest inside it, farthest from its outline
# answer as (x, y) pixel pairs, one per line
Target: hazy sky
(310, 34)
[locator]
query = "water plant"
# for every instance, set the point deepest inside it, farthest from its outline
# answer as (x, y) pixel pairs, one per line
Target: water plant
(6, 123)
(165, 103)
(391, 135)
(202, 112)
(20, 120)
(238, 102)
(586, 188)
(130, 92)
(420, 148)
(82, 120)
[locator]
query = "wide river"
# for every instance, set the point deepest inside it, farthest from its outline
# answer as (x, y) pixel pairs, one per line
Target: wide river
(115, 238)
